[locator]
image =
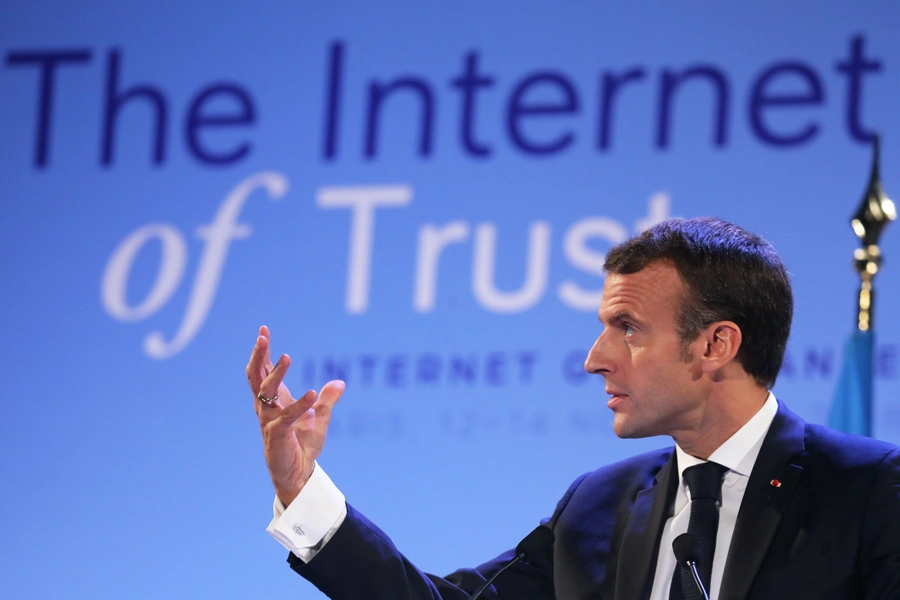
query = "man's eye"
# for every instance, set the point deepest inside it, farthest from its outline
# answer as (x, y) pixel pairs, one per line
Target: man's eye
(627, 328)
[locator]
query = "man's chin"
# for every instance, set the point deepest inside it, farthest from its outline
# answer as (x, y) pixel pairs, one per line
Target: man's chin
(629, 430)
(622, 429)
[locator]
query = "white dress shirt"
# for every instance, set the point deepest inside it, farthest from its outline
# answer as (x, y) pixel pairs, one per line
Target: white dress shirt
(307, 524)
(738, 453)
(311, 519)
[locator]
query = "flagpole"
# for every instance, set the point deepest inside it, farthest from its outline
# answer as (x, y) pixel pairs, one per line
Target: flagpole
(851, 407)
(875, 211)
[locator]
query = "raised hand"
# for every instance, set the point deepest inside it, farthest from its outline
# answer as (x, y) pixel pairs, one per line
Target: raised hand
(293, 430)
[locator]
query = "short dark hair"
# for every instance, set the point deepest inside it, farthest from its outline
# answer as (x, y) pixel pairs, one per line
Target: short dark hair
(730, 275)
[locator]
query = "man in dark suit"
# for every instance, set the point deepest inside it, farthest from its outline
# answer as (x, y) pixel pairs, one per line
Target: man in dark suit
(696, 316)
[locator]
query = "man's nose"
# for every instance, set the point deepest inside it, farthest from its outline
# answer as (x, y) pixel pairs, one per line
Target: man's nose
(597, 361)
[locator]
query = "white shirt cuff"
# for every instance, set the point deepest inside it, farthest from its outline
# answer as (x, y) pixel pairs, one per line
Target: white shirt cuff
(315, 515)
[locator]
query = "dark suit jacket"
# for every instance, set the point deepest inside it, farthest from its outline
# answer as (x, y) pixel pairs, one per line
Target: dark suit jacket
(830, 530)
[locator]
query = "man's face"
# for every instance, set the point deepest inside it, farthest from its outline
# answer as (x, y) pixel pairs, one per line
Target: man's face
(656, 389)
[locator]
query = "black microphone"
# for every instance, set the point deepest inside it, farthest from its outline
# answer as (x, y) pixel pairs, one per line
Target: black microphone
(686, 553)
(541, 537)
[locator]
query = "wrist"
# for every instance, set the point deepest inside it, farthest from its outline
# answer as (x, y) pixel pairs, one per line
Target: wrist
(287, 491)
(286, 496)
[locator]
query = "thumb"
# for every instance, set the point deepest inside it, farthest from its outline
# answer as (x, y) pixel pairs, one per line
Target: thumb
(330, 394)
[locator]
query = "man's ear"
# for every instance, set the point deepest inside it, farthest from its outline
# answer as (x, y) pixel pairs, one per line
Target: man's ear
(721, 342)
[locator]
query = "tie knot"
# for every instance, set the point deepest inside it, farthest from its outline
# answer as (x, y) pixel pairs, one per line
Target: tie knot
(704, 480)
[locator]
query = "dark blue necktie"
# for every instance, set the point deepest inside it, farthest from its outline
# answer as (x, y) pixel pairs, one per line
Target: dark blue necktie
(705, 482)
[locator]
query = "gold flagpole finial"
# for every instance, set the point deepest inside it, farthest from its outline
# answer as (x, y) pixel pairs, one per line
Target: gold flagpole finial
(875, 211)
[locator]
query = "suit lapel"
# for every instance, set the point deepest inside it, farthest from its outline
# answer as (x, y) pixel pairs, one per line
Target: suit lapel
(640, 542)
(772, 481)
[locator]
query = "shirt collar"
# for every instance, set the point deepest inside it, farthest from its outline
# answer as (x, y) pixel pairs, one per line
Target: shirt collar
(739, 452)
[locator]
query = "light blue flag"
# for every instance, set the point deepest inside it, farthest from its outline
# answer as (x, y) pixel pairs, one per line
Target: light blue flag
(851, 407)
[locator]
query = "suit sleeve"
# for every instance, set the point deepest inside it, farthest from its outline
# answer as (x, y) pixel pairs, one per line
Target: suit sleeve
(880, 544)
(361, 561)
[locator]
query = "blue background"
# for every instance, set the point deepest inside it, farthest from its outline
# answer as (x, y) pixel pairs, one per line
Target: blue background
(131, 476)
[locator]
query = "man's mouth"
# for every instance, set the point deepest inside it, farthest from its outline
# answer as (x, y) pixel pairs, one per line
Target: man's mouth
(616, 398)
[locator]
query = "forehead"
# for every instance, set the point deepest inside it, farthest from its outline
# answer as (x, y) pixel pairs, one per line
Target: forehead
(654, 291)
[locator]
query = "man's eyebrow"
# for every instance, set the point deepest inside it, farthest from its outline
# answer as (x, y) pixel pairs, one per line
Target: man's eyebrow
(621, 316)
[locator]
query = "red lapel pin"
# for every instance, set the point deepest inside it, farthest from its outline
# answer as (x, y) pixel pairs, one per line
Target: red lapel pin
(775, 483)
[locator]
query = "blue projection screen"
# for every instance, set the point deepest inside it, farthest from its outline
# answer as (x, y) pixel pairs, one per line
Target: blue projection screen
(415, 197)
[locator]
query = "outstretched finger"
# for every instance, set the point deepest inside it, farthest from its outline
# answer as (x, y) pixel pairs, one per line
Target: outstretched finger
(272, 391)
(264, 332)
(259, 365)
(330, 394)
(295, 410)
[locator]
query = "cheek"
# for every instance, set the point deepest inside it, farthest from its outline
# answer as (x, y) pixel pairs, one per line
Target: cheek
(641, 357)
